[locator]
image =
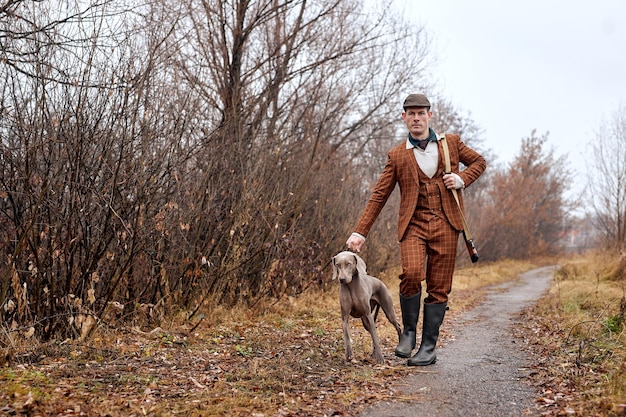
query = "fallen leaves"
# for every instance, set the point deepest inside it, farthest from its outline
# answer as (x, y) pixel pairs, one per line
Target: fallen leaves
(568, 386)
(268, 366)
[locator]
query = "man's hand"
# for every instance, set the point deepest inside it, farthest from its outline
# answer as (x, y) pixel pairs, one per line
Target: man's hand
(355, 242)
(452, 180)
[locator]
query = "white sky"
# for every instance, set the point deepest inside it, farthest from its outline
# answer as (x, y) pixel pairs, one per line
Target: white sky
(557, 66)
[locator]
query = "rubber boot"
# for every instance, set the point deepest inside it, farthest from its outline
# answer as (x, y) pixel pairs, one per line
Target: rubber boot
(410, 307)
(433, 317)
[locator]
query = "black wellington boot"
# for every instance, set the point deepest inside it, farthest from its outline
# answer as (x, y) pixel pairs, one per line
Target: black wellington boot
(433, 317)
(410, 307)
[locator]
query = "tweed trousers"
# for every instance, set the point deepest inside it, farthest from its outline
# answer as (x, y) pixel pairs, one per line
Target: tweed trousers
(428, 248)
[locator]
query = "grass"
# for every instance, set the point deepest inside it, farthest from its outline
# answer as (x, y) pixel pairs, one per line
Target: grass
(579, 325)
(286, 358)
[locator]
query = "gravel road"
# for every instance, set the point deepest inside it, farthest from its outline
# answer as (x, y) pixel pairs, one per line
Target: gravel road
(480, 371)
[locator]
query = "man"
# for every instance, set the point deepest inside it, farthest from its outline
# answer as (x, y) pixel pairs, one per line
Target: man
(429, 221)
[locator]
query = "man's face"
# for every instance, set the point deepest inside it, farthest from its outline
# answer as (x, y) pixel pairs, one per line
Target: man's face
(417, 119)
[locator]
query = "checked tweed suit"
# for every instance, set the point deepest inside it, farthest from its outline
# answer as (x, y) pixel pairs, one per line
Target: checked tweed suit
(422, 230)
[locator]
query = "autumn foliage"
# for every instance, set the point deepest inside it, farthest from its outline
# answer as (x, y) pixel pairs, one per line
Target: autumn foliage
(523, 211)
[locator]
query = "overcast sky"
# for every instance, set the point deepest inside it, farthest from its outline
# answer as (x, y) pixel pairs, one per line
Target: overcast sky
(557, 66)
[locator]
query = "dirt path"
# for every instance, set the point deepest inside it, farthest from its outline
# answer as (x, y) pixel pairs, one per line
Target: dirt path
(479, 372)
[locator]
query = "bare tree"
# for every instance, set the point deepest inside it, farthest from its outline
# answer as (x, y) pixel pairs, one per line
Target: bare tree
(83, 174)
(291, 89)
(607, 180)
(173, 152)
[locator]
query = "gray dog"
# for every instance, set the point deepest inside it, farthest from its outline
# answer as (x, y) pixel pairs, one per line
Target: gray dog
(359, 293)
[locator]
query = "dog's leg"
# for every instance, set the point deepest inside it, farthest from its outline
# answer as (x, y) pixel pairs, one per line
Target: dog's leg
(375, 307)
(345, 326)
(386, 303)
(370, 326)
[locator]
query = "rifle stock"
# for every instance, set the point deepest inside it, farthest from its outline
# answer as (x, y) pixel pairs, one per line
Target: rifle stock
(471, 249)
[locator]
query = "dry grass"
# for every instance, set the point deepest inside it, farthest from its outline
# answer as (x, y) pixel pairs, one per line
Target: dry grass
(577, 331)
(279, 359)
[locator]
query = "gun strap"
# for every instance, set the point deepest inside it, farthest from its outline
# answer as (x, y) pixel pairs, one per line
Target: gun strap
(446, 156)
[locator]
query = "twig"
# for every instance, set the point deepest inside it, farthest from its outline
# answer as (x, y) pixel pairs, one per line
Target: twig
(197, 324)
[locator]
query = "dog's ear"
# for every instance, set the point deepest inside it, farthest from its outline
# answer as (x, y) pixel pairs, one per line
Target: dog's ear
(335, 272)
(361, 268)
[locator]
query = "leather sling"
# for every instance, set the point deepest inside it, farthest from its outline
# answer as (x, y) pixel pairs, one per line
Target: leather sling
(469, 241)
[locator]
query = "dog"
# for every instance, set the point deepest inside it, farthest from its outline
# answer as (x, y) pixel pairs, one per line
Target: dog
(359, 293)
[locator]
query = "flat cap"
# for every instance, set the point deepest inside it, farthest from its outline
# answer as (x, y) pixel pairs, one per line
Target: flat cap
(416, 100)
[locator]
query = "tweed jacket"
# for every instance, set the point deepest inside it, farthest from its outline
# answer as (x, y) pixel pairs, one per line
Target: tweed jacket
(401, 168)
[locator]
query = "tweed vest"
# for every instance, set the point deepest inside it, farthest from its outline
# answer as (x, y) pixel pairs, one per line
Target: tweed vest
(429, 204)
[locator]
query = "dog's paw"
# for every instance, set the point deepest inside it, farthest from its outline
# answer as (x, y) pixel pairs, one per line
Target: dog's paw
(378, 357)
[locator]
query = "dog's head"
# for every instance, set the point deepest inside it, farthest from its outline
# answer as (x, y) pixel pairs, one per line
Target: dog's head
(347, 266)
